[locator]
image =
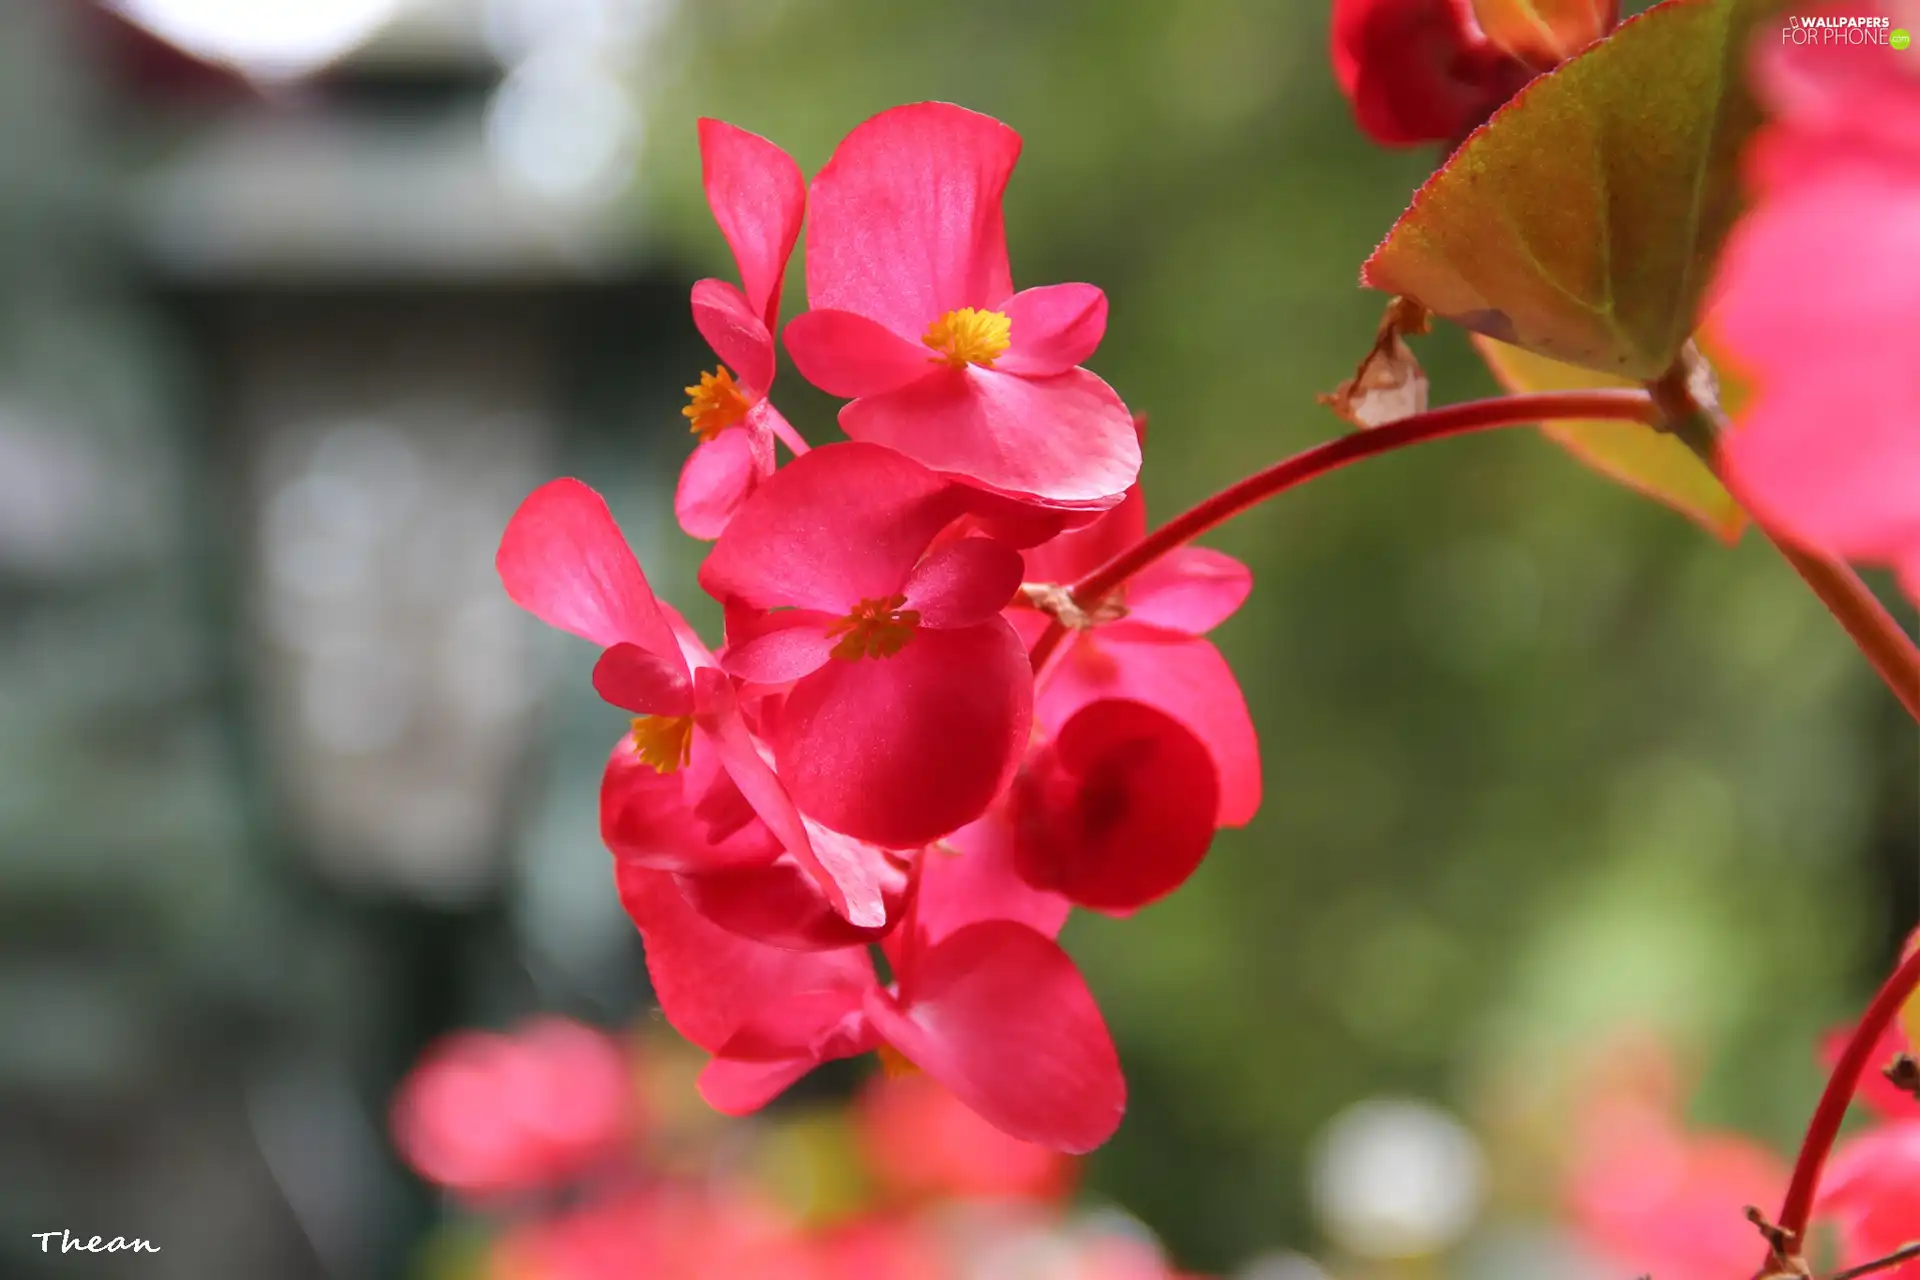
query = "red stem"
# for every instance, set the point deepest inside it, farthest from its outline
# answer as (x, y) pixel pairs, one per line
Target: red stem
(1436, 424)
(1797, 1208)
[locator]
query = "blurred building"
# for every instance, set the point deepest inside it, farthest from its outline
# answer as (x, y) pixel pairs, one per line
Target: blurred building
(299, 300)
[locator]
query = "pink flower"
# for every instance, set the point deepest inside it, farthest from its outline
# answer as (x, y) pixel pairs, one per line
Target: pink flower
(758, 197)
(1654, 1199)
(914, 318)
(1419, 70)
(910, 696)
(562, 558)
(989, 1007)
(1825, 324)
(484, 1114)
(924, 1144)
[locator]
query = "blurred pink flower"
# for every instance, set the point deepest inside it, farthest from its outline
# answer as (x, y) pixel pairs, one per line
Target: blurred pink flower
(486, 1114)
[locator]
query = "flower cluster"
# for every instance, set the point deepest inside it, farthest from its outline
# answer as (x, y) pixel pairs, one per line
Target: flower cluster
(869, 759)
(544, 1137)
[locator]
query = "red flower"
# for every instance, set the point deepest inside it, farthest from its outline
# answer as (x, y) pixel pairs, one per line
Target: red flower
(911, 697)
(484, 1114)
(758, 197)
(915, 319)
(562, 559)
(1419, 70)
(1826, 452)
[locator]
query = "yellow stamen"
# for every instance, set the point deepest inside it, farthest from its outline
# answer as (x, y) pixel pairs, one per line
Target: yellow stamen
(664, 742)
(967, 337)
(875, 629)
(715, 404)
(895, 1063)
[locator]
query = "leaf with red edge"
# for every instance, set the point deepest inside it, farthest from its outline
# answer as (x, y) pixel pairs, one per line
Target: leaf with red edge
(1652, 462)
(1545, 32)
(1582, 220)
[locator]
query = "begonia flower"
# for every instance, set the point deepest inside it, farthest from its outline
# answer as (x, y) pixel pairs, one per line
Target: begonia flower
(1826, 452)
(563, 559)
(914, 318)
(758, 197)
(484, 1114)
(1420, 71)
(910, 696)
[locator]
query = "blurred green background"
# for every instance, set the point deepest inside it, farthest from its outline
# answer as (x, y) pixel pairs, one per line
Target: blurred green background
(286, 789)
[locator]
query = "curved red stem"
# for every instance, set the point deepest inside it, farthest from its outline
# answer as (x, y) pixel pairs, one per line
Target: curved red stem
(1797, 1208)
(1436, 424)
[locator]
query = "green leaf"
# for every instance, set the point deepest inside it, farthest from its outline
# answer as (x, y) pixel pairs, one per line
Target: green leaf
(1582, 220)
(1649, 461)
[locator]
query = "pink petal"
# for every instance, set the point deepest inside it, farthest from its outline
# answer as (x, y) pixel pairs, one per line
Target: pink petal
(963, 583)
(1000, 1016)
(1074, 554)
(740, 1087)
(1186, 678)
(780, 647)
(1054, 328)
(1830, 458)
(926, 1144)
(1118, 810)
(639, 680)
(710, 982)
(845, 523)
(692, 819)
(970, 876)
(1062, 441)
(1016, 523)
(758, 197)
(1872, 1190)
(562, 559)
(1191, 590)
(781, 905)
(736, 334)
(850, 884)
(783, 1042)
(848, 355)
(906, 217)
(906, 749)
(720, 473)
